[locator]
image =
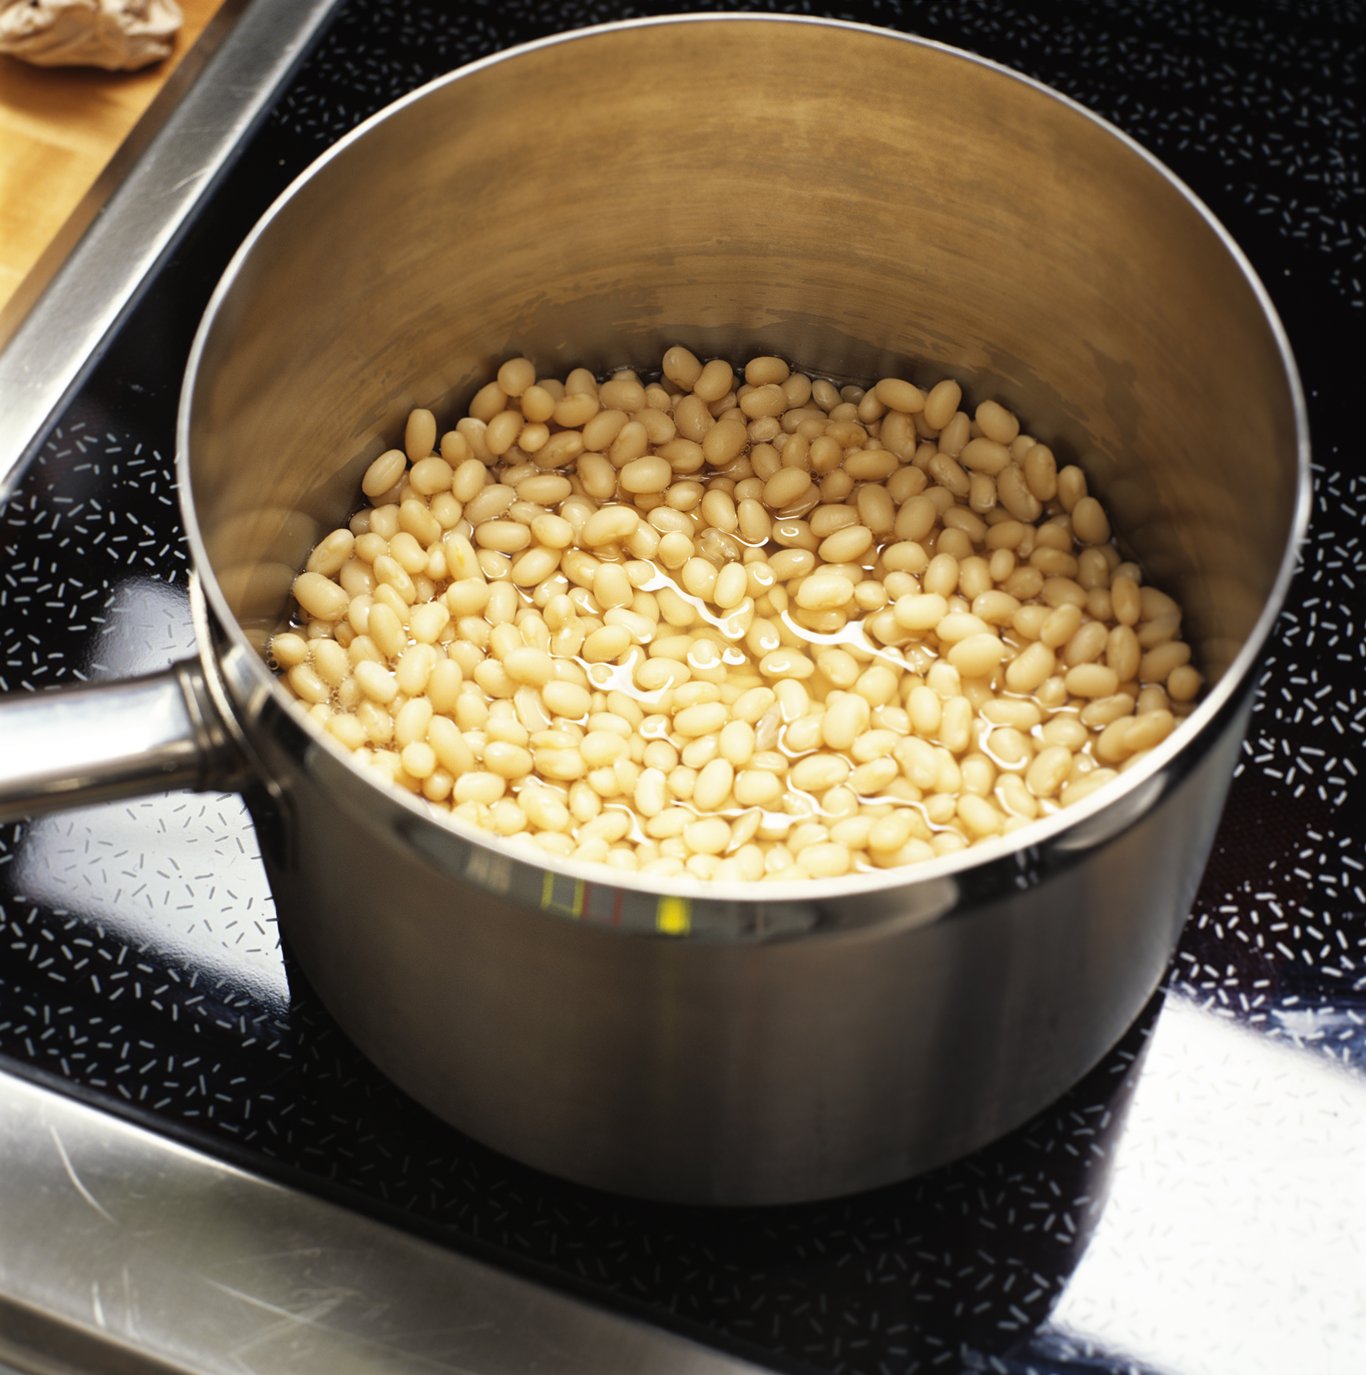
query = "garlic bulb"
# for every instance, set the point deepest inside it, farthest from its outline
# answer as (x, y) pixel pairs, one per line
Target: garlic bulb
(118, 35)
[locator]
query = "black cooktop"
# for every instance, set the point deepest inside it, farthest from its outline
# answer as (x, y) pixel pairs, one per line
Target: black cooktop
(1196, 1205)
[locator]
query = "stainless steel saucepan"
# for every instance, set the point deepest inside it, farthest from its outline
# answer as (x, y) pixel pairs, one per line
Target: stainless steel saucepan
(863, 204)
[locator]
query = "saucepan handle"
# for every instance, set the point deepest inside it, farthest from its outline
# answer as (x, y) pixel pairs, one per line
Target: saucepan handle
(73, 746)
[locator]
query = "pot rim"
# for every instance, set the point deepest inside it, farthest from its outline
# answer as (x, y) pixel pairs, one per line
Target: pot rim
(995, 866)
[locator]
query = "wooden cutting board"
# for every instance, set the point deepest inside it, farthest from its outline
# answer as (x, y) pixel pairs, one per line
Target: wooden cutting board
(59, 126)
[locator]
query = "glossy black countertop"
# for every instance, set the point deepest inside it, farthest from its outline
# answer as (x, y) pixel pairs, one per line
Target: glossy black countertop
(1197, 1206)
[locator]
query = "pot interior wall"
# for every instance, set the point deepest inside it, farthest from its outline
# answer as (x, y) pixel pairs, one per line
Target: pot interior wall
(858, 203)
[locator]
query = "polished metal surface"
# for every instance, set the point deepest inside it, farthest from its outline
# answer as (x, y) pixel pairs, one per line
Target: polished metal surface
(723, 1043)
(821, 1037)
(111, 740)
(123, 1253)
(53, 328)
(720, 1071)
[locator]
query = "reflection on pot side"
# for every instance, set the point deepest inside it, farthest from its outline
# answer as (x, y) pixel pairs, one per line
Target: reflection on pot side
(124, 864)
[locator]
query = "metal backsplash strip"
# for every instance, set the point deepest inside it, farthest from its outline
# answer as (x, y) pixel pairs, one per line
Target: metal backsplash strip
(125, 1253)
(132, 216)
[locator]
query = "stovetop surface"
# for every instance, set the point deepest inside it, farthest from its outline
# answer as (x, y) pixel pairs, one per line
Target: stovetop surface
(1197, 1204)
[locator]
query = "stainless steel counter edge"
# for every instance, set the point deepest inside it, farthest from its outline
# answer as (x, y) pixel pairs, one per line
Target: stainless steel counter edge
(91, 274)
(121, 1251)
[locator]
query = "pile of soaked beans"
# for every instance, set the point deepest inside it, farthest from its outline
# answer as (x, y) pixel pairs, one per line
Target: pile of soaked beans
(739, 627)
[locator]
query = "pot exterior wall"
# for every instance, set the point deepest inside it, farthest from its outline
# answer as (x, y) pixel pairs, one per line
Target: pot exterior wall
(724, 183)
(724, 1072)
